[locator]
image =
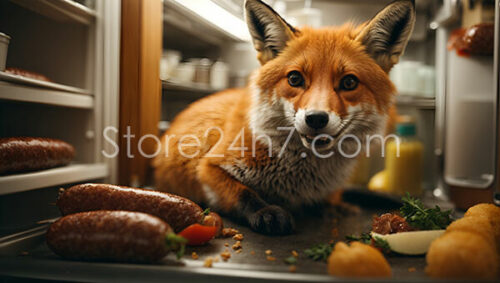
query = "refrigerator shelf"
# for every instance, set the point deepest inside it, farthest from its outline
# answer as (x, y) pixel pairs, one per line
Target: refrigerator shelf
(22, 93)
(60, 10)
(52, 177)
(173, 85)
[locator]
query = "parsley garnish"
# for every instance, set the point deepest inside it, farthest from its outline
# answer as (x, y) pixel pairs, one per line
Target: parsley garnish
(291, 260)
(319, 252)
(422, 218)
(382, 244)
(364, 238)
(206, 211)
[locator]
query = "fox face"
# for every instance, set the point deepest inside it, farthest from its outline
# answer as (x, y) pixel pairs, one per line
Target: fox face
(326, 83)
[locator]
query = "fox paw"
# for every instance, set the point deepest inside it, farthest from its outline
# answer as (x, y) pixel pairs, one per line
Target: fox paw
(272, 220)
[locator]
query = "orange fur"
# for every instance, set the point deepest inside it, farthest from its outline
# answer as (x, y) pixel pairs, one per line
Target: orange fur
(215, 174)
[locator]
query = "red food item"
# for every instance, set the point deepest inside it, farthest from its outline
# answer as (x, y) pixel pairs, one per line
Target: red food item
(390, 223)
(475, 40)
(197, 234)
(214, 219)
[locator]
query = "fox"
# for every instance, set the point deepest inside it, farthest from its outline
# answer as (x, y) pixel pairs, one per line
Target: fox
(315, 87)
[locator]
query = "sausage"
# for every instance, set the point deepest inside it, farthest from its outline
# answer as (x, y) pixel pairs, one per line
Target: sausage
(177, 211)
(121, 236)
(19, 154)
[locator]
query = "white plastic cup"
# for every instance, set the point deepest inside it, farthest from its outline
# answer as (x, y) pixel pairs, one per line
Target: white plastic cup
(4, 46)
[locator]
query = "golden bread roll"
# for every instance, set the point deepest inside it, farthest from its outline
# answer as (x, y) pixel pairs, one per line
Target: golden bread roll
(492, 212)
(461, 255)
(357, 260)
(474, 224)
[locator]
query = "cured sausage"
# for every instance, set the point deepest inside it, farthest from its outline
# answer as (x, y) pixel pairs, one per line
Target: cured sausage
(122, 236)
(177, 211)
(21, 154)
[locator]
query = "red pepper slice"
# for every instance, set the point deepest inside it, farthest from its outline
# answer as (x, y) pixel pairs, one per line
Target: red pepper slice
(197, 234)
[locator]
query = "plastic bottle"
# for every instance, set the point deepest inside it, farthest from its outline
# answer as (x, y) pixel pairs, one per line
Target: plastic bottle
(404, 163)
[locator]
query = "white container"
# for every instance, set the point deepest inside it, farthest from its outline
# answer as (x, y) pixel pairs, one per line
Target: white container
(219, 75)
(168, 63)
(4, 46)
(185, 72)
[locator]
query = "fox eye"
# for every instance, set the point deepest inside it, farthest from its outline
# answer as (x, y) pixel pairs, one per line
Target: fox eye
(349, 82)
(295, 79)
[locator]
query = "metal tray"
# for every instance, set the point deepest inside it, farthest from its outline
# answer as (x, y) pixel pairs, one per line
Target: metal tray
(26, 255)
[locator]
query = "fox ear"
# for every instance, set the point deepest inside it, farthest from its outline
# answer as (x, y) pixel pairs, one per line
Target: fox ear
(386, 35)
(269, 31)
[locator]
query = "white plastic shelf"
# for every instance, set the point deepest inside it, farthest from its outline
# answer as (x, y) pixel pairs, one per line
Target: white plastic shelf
(15, 92)
(52, 177)
(60, 10)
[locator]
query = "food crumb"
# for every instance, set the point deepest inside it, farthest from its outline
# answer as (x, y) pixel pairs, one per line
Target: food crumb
(229, 232)
(292, 268)
(237, 245)
(216, 259)
(225, 255)
(208, 262)
(238, 251)
(194, 255)
(412, 269)
(226, 244)
(295, 253)
(269, 252)
(252, 252)
(270, 258)
(238, 237)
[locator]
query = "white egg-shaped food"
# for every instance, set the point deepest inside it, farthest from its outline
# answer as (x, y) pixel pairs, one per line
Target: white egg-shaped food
(410, 243)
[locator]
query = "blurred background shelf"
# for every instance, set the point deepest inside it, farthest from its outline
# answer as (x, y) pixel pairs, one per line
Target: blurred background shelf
(8, 77)
(187, 87)
(16, 92)
(60, 10)
(416, 101)
(52, 177)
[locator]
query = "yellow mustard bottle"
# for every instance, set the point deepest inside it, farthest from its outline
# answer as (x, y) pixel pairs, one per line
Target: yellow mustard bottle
(404, 161)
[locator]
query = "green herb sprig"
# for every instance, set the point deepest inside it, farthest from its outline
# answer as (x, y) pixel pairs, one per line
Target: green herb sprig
(319, 252)
(422, 218)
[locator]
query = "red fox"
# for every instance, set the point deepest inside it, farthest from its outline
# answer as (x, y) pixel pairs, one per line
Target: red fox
(315, 88)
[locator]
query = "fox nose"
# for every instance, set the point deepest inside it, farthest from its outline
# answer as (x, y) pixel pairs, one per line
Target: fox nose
(316, 119)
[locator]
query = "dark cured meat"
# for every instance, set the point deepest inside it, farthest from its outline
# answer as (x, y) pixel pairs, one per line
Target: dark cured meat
(390, 223)
(121, 236)
(19, 154)
(177, 211)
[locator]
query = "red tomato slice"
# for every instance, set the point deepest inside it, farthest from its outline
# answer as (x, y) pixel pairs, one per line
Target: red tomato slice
(197, 234)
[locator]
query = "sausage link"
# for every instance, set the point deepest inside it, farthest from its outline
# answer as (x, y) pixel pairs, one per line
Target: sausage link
(122, 236)
(214, 219)
(177, 211)
(21, 154)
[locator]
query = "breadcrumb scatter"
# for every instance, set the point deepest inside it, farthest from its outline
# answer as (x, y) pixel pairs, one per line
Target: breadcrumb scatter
(216, 259)
(238, 251)
(292, 268)
(295, 253)
(270, 258)
(237, 245)
(194, 255)
(226, 244)
(208, 262)
(269, 252)
(229, 232)
(225, 255)
(238, 237)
